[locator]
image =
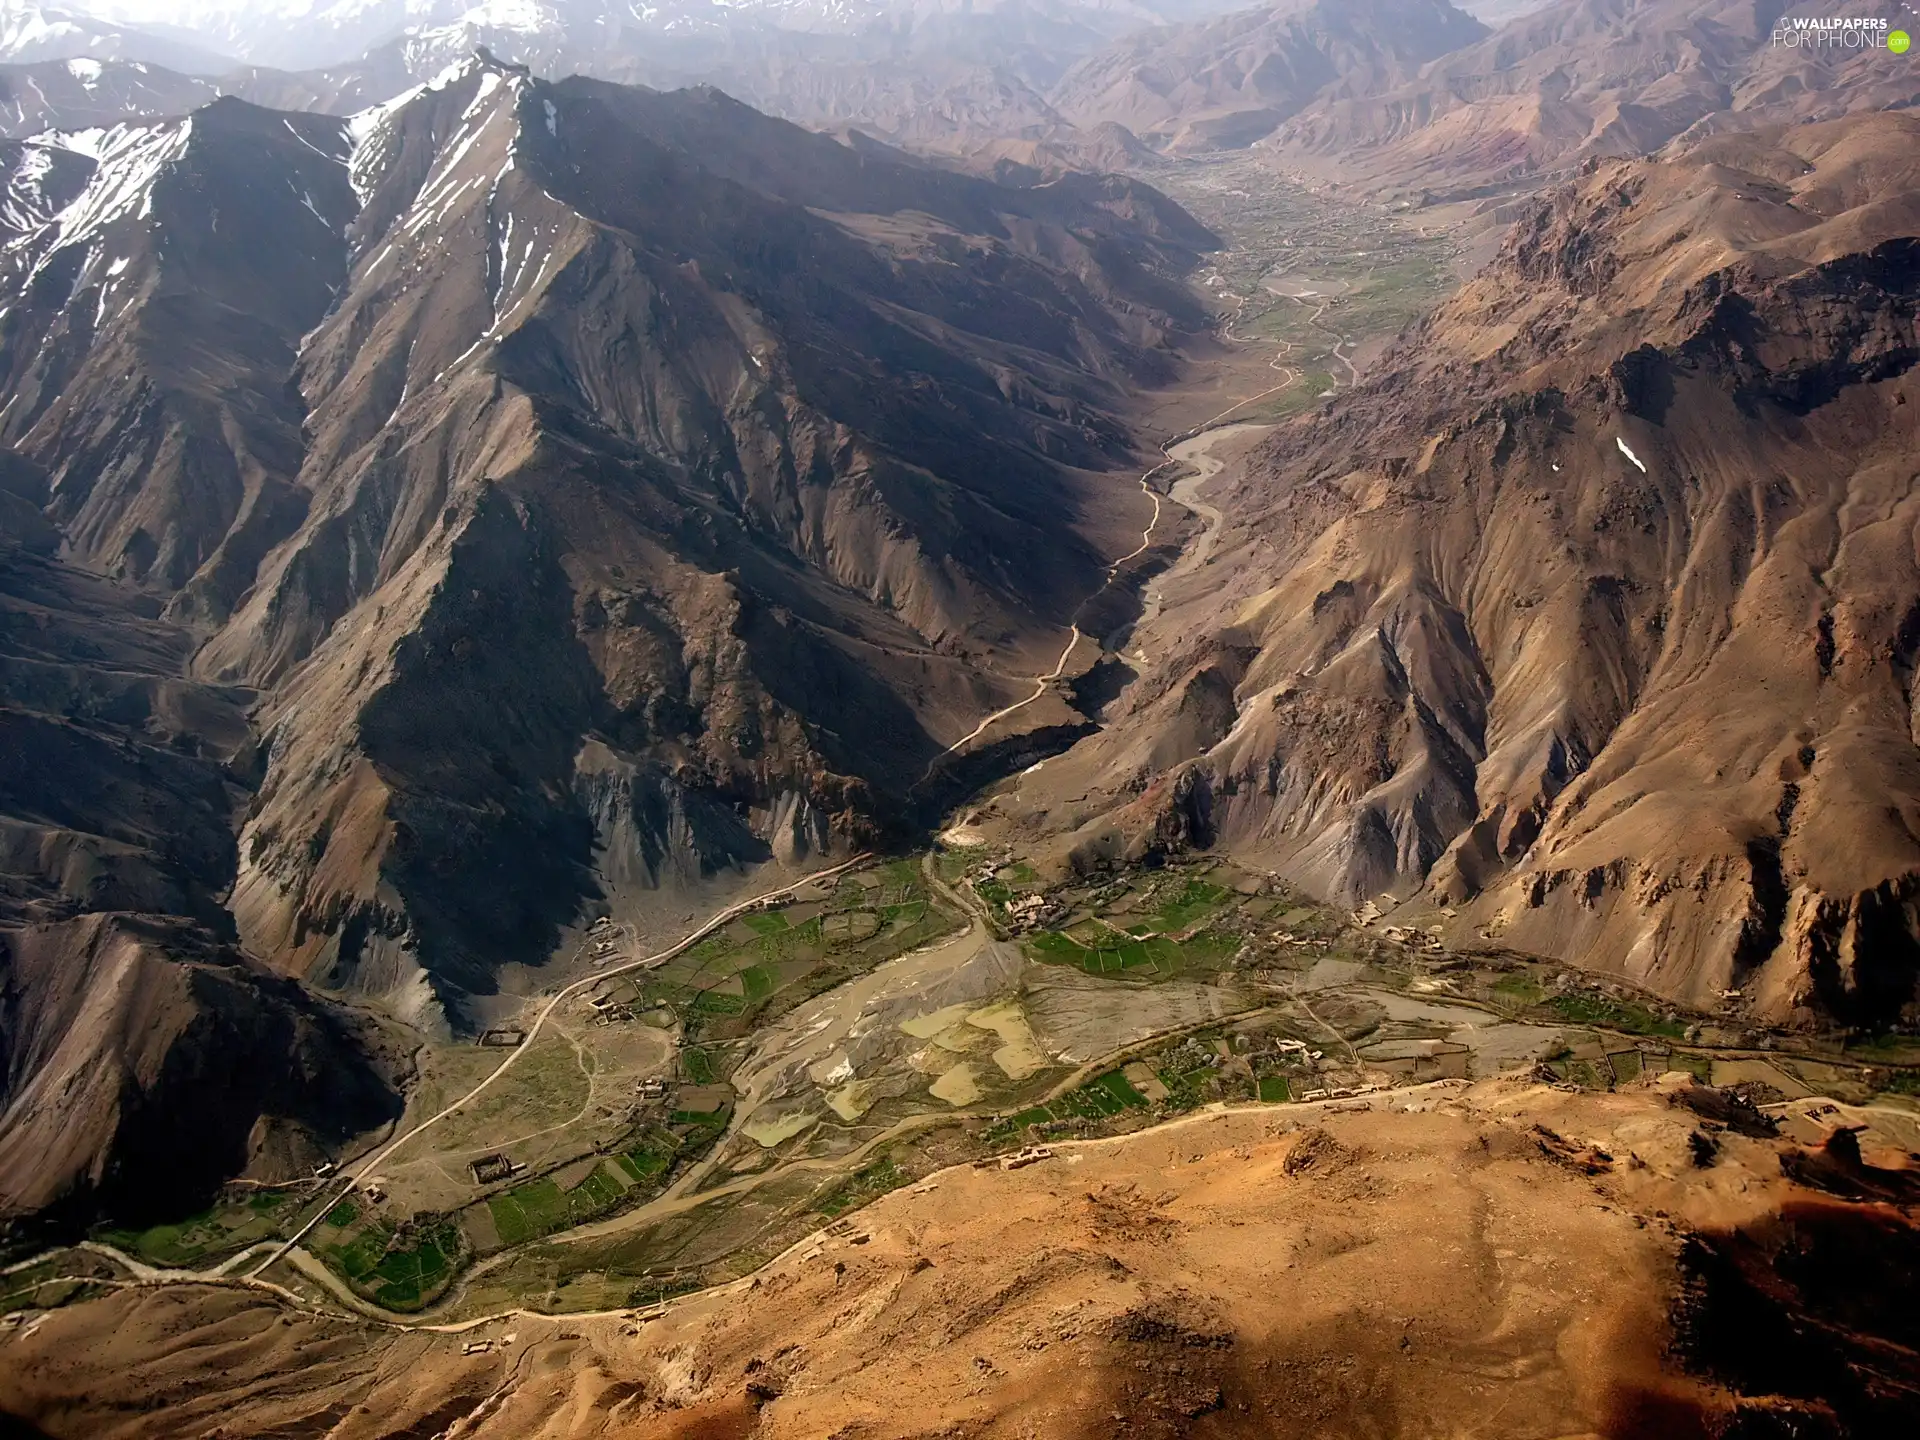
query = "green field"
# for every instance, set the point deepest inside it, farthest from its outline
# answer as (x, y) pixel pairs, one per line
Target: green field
(400, 1267)
(541, 1207)
(1101, 1098)
(781, 961)
(1585, 1008)
(1194, 901)
(1156, 957)
(1518, 991)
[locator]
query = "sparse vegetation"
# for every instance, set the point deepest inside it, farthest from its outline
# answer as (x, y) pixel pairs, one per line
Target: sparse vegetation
(868, 1183)
(1518, 991)
(226, 1228)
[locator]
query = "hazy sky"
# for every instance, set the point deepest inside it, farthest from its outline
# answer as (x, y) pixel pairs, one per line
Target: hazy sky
(135, 11)
(140, 9)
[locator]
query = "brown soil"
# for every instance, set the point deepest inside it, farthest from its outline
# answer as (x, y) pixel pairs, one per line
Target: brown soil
(1506, 1259)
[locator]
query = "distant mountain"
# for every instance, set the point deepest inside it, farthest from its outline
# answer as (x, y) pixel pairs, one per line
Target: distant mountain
(82, 94)
(1407, 98)
(1231, 80)
(1583, 78)
(1500, 12)
(950, 74)
(305, 34)
(31, 32)
(563, 492)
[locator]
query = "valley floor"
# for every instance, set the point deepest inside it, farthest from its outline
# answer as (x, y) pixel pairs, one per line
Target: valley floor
(669, 1124)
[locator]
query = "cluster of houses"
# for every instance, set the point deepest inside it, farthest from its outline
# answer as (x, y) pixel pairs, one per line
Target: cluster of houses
(1413, 937)
(1033, 912)
(607, 1010)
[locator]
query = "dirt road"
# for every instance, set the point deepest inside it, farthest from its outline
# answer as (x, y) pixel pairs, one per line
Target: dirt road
(380, 1157)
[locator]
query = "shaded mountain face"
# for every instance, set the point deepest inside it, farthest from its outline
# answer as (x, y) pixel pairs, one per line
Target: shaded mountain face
(143, 1060)
(1591, 78)
(592, 487)
(1226, 82)
(1593, 614)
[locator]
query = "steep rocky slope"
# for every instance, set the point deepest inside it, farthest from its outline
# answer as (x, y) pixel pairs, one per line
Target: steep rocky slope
(1592, 614)
(1505, 1261)
(1231, 80)
(594, 486)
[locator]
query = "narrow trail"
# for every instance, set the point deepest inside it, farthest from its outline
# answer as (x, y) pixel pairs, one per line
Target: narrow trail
(1074, 633)
(380, 1157)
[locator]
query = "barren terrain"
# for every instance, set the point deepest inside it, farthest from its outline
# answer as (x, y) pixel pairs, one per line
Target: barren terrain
(1504, 1257)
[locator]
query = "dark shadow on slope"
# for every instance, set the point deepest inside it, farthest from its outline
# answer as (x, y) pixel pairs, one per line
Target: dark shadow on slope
(477, 734)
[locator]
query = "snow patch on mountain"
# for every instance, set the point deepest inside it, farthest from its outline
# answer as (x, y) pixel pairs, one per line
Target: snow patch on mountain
(129, 161)
(25, 204)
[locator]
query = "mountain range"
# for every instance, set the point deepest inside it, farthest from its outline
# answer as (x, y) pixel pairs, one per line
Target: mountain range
(486, 538)
(1228, 81)
(1586, 622)
(909, 71)
(30, 31)
(1409, 99)
(1588, 78)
